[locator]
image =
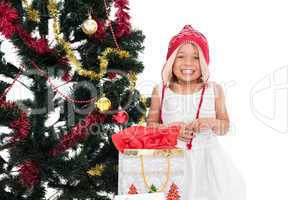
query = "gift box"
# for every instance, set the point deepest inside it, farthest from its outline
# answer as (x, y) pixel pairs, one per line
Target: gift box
(151, 170)
(149, 161)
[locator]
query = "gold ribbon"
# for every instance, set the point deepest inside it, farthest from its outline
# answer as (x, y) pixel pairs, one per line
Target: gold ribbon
(164, 185)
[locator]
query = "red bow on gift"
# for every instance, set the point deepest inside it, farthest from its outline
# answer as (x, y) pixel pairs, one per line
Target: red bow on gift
(140, 137)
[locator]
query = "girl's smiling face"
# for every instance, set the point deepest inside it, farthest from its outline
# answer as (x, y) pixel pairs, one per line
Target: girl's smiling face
(186, 66)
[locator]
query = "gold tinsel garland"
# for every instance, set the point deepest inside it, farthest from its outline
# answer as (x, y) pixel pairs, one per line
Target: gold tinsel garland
(143, 99)
(96, 171)
(31, 13)
(103, 57)
(132, 78)
(103, 60)
(142, 120)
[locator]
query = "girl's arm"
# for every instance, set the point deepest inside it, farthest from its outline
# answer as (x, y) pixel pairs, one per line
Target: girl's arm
(221, 124)
(153, 116)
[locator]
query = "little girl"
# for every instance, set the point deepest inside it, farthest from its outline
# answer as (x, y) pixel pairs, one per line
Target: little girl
(186, 98)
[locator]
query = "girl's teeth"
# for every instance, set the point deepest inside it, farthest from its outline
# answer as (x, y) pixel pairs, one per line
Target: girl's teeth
(187, 71)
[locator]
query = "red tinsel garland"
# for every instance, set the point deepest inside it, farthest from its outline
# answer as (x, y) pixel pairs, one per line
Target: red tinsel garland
(7, 105)
(8, 18)
(9, 24)
(29, 173)
(123, 26)
(100, 33)
(21, 126)
(65, 62)
(39, 45)
(78, 133)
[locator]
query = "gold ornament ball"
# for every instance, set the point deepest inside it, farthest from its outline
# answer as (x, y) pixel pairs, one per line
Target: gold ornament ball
(103, 104)
(89, 26)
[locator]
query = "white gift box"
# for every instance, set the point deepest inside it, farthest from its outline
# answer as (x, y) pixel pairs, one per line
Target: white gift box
(145, 167)
(152, 196)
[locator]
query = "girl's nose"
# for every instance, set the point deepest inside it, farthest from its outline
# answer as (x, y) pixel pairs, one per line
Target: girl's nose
(188, 61)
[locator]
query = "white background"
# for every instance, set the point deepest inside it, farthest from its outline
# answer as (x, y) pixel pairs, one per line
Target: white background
(254, 50)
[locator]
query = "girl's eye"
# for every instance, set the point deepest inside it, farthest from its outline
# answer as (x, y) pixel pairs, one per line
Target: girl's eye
(179, 57)
(196, 57)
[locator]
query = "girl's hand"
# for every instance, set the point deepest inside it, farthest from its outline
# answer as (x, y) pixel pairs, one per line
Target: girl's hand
(202, 124)
(186, 134)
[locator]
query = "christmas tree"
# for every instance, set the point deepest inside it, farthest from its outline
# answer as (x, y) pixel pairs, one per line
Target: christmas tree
(173, 193)
(79, 65)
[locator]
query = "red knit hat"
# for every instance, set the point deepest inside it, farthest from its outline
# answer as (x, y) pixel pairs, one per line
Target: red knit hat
(187, 35)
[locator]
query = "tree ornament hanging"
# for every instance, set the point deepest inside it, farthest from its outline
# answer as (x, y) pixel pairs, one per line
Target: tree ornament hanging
(121, 117)
(89, 26)
(103, 104)
(111, 75)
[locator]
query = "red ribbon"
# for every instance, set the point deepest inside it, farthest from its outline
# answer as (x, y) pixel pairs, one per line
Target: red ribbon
(189, 144)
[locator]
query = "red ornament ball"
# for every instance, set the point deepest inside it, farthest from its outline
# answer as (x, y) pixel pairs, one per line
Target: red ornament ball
(111, 75)
(121, 117)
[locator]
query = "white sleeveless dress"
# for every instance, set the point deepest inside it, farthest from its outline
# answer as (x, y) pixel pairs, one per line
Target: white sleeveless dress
(209, 172)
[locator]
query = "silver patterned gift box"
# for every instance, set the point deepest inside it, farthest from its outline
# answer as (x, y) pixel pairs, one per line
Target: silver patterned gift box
(143, 168)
